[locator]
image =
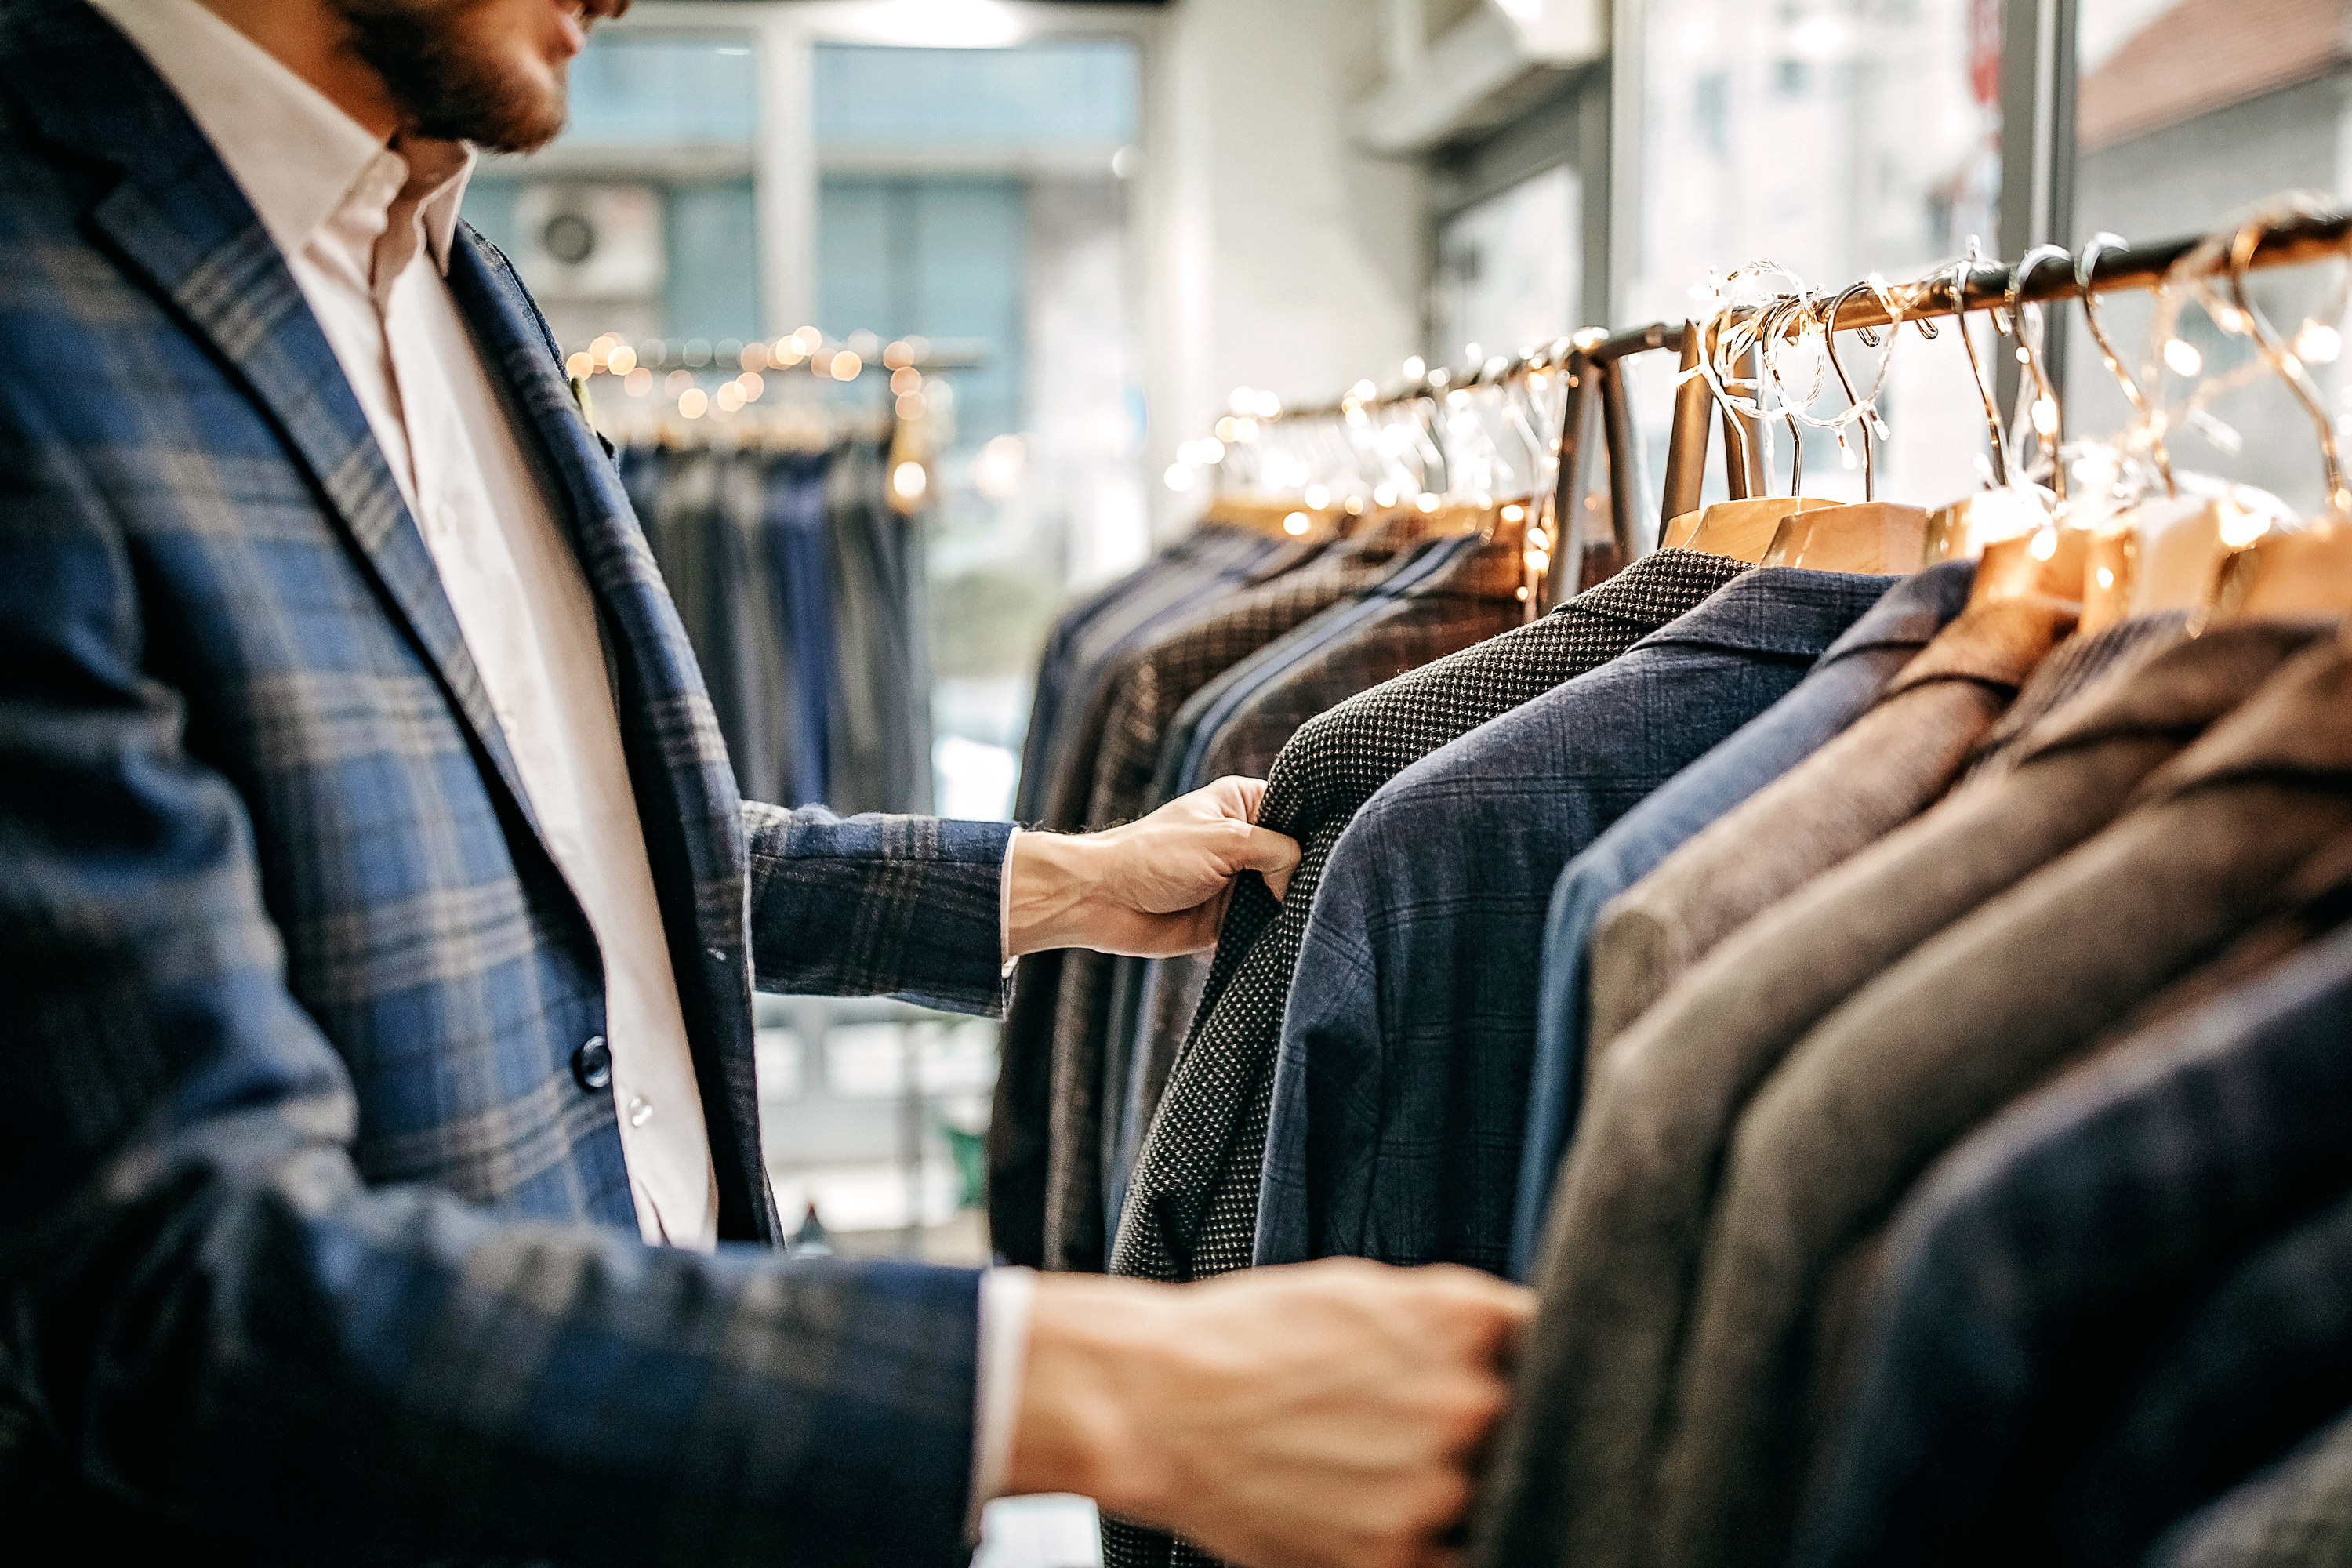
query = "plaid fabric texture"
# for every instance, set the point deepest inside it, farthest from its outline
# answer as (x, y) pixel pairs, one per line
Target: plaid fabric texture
(312, 1241)
(1166, 672)
(1191, 1205)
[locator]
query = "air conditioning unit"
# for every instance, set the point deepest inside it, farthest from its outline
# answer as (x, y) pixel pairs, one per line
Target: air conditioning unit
(584, 243)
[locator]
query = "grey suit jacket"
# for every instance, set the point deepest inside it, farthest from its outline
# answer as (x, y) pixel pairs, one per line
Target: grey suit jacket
(1884, 770)
(1942, 1040)
(1571, 1477)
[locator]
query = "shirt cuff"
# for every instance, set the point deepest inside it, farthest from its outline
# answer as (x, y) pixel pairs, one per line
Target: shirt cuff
(1005, 1295)
(1004, 903)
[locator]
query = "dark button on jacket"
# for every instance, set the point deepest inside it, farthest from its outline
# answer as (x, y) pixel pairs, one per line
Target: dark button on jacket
(591, 1064)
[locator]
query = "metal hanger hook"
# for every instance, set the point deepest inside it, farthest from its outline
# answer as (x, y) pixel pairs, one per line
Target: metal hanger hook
(2086, 266)
(1958, 284)
(2290, 366)
(2052, 441)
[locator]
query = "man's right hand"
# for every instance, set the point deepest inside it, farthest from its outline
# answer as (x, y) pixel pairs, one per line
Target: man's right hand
(1321, 1416)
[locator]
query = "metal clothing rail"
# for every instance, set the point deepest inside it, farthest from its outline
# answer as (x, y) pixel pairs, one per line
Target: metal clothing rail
(1595, 372)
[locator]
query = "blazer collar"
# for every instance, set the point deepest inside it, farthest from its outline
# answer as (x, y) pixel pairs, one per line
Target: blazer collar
(174, 219)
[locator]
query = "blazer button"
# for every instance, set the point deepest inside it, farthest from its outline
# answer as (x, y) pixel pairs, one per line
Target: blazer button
(591, 1064)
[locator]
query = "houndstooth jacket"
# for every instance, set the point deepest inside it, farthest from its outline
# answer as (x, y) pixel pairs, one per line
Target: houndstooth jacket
(315, 1236)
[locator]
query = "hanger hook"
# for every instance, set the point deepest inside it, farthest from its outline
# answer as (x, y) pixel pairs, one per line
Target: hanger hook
(1861, 422)
(2053, 439)
(1957, 282)
(2086, 266)
(2289, 367)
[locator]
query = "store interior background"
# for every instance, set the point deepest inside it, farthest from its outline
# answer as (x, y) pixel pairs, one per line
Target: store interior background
(1112, 225)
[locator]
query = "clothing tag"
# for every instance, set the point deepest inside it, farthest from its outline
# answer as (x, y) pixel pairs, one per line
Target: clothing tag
(580, 396)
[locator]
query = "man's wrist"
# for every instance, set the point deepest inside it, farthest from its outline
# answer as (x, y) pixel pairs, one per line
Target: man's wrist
(1048, 885)
(1096, 1349)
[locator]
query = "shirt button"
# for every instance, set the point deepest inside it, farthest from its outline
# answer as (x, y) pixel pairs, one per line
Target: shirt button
(641, 1110)
(591, 1064)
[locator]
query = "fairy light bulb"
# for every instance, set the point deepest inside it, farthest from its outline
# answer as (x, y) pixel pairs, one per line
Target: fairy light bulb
(1296, 523)
(2181, 355)
(2045, 415)
(2043, 544)
(2318, 343)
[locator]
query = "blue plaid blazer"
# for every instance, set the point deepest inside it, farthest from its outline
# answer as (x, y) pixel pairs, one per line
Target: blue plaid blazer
(311, 1243)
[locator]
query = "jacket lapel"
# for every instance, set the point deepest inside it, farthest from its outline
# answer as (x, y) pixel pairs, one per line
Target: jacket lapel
(667, 711)
(685, 785)
(177, 220)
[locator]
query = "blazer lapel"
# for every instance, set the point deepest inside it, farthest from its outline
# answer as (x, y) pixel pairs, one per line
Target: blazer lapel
(687, 802)
(177, 219)
(669, 713)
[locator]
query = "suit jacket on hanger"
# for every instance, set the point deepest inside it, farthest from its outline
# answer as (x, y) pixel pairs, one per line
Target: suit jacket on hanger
(1401, 1085)
(1835, 692)
(2255, 1368)
(1169, 667)
(1455, 594)
(1063, 731)
(2074, 667)
(1894, 762)
(1569, 1482)
(1192, 1210)
(2032, 1278)
(1940, 1041)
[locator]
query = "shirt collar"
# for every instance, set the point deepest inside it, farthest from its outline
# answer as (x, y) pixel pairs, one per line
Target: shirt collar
(291, 150)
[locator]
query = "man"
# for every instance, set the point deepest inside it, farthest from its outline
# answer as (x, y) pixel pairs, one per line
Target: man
(378, 925)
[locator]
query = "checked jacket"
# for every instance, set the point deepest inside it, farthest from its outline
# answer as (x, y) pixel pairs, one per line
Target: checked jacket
(313, 1244)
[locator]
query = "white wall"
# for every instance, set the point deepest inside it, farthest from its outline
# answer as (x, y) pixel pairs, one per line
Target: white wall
(1275, 254)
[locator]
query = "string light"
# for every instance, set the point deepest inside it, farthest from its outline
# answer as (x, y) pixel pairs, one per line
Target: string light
(677, 382)
(1296, 523)
(1414, 369)
(753, 384)
(623, 361)
(729, 398)
(691, 402)
(580, 366)
(639, 381)
(754, 356)
(2183, 357)
(2318, 343)
(905, 378)
(909, 480)
(1177, 477)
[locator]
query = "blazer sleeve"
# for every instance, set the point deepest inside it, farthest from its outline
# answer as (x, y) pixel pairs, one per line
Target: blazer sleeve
(206, 1314)
(868, 906)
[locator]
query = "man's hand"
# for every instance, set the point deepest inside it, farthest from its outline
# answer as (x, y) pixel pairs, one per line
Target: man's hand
(1318, 1415)
(1155, 887)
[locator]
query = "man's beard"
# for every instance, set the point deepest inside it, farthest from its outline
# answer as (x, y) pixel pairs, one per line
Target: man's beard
(443, 83)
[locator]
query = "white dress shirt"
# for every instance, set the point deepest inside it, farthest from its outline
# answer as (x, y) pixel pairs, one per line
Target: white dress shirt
(366, 229)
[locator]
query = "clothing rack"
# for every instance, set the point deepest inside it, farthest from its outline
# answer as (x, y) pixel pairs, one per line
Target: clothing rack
(1593, 369)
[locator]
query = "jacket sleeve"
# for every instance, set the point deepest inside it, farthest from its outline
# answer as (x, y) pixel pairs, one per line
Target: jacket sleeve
(206, 1316)
(866, 906)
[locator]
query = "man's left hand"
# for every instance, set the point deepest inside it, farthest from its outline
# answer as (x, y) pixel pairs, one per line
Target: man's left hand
(1153, 888)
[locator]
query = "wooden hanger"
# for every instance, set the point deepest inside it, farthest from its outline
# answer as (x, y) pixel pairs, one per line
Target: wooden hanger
(2287, 572)
(1870, 536)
